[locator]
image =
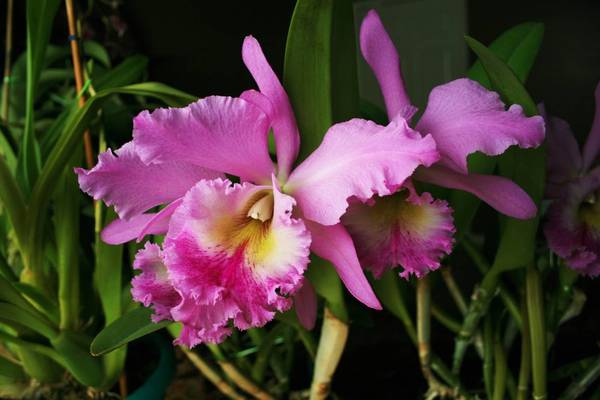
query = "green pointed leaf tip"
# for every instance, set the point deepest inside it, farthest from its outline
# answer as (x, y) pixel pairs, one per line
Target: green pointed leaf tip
(129, 327)
(524, 167)
(518, 47)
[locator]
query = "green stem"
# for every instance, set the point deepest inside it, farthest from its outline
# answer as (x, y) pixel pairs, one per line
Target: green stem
(499, 368)
(535, 309)
(454, 290)
(480, 301)
(582, 382)
(483, 266)
(488, 356)
(525, 368)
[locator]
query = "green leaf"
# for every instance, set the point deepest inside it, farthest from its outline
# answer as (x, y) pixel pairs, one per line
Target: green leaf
(95, 50)
(72, 347)
(388, 290)
(320, 78)
(328, 285)
(13, 202)
(40, 16)
(47, 306)
(524, 167)
(126, 73)
(518, 47)
(66, 225)
(11, 370)
(11, 315)
(131, 326)
(6, 151)
(108, 282)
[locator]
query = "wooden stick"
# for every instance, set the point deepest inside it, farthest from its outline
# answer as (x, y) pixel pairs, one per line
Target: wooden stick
(87, 139)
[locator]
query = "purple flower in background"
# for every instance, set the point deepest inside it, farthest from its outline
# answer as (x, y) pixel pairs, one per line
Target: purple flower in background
(237, 251)
(573, 183)
(414, 230)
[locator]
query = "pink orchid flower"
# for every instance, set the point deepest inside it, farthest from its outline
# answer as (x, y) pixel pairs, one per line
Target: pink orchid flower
(414, 230)
(573, 183)
(237, 251)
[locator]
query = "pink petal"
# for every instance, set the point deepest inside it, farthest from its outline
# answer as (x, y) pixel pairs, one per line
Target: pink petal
(380, 53)
(407, 229)
(122, 231)
(592, 144)
(160, 219)
(287, 138)
(152, 287)
(463, 117)
(229, 266)
(305, 303)
(357, 158)
(564, 159)
(221, 133)
(334, 244)
(132, 186)
(500, 193)
(572, 230)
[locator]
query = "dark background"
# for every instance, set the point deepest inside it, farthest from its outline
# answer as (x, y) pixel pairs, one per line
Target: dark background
(196, 45)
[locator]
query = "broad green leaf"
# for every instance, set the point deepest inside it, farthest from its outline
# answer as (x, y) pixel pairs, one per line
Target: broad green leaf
(524, 167)
(320, 78)
(95, 50)
(518, 47)
(6, 150)
(72, 347)
(126, 73)
(131, 326)
(13, 202)
(40, 16)
(13, 293)
(66, 226)
(328, 285)
(388, 290)
(9, 369)
(38, 299)
(11, 315)
(107, 280)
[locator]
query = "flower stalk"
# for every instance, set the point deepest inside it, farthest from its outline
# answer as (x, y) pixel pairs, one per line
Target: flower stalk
(583, 381)
(525, 368)
(535, 309)
(334, 334)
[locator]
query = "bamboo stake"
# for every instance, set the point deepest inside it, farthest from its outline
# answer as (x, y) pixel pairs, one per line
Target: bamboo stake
(77, 70)
(7, 61)
(334, 334)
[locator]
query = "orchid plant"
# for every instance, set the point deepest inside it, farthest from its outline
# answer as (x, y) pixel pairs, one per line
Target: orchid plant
(242, 215)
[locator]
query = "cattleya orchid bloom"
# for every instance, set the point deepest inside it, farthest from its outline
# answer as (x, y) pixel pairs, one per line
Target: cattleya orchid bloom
(237, 251)
(414, 230)
(573, 183)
